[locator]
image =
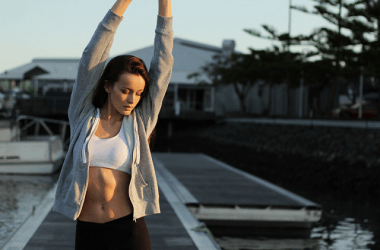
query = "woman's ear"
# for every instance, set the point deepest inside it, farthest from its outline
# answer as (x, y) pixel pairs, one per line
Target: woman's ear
(106, 86)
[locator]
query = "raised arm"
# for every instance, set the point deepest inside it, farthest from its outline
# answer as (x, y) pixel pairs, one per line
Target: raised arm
(93, 61)
(160, 70)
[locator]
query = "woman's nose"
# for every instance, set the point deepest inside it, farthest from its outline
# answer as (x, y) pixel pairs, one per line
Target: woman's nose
(131, 98)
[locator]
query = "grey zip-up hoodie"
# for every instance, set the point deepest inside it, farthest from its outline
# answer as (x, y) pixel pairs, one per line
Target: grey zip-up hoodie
(84, 120)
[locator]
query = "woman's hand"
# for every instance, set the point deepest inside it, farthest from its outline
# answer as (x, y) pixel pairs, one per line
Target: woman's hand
(120, 6)
(164, 8)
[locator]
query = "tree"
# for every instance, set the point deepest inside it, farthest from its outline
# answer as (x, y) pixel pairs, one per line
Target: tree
(336, 50)
(286, 41)
(365, 16)
(361, 19)
(328, 42)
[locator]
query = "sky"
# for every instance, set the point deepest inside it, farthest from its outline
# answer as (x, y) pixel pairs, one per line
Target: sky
(62, 29)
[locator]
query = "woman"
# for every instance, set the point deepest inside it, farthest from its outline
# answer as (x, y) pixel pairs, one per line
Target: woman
(107, 182)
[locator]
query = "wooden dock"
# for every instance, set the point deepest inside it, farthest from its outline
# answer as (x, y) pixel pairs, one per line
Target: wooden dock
(165, 230)
(195, 191)
(234, 203)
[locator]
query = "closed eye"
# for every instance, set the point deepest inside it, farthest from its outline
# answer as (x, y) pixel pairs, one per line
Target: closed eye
(127, 91)
(136, 94)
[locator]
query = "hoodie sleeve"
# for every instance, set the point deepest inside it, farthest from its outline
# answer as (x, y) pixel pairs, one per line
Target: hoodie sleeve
(160, 72)
(91, 66)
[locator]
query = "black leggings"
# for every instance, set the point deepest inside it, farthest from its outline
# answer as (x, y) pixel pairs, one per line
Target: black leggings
(112, 235)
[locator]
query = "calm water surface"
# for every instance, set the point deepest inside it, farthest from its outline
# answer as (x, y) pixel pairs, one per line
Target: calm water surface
(347, 235)
(351, 226)
(18, 195)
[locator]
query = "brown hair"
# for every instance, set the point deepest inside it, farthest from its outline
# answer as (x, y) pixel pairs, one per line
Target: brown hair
(115, 67)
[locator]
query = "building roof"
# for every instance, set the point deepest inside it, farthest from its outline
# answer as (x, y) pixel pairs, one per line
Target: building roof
(44, 68)
(189, 57)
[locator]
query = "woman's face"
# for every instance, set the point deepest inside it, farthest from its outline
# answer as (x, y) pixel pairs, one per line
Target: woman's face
(126, 93)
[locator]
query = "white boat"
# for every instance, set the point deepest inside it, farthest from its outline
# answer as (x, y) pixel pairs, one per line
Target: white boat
(31, 154)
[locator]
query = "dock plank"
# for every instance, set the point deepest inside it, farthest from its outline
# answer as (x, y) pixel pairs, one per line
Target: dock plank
(212, 184)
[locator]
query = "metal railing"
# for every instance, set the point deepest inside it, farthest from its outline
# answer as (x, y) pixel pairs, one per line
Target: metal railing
(38, 121)
(44, 105)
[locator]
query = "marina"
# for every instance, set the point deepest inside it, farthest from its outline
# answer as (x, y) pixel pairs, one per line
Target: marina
(263, 143)
(205, 204)
(190, 214)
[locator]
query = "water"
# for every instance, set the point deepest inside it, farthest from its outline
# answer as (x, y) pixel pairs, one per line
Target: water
(18, 195)
(346, 235)
(347, 223)
(344, 225)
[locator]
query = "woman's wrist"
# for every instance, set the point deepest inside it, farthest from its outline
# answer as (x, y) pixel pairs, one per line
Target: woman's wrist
(120, 6)
(164, 8)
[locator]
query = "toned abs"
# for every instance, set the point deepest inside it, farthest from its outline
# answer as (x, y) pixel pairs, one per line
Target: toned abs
(107, 196)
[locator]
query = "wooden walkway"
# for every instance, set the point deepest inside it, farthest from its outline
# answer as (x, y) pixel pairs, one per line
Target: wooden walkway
(175, 228)
(165, 230)
(232, 202)
(212, 182)
(184, 180)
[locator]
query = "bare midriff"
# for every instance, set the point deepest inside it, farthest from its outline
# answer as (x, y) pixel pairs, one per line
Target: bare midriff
(107, 195)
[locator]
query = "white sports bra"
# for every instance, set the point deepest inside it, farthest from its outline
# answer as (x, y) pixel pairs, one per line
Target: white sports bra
(115, 152)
